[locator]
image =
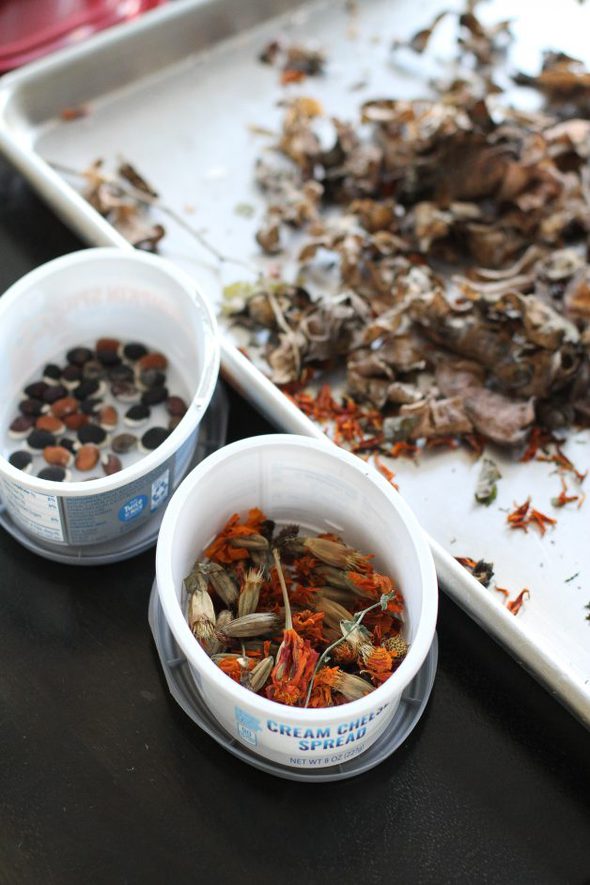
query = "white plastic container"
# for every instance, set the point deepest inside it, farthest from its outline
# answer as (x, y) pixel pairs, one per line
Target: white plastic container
(75, 299)
(323, 488)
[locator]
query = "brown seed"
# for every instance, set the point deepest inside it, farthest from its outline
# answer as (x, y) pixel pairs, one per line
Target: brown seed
(50, 423)
(108, 417)
(176, 406)
(87, 457)
(111, 464)
(174, 422)
(67, 405)
(57, 456)
(76, 421)
(107, 344)
(152, 360)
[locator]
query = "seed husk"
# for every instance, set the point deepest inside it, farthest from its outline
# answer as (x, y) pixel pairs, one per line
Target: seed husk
(334, 553)
(352, 687)
(201, 615)
(249, 595)
(255, 624)
(259, 674)
(221, 581)
(334, 613)
(250, 542)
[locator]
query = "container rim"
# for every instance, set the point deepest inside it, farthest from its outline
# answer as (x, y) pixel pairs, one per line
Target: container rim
(201, 397)
(199, 658)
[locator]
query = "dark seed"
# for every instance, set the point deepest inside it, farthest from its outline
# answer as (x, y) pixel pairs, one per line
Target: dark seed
(111, 464)
(121, 373)
(71, 376)
(79, 355)
(124, 391)
(108, 357)
(123, 443)
(36, 389)
(32, 407)
(86, 389)
(66, 443)
(93, 370)
(152, 378)
(39, 439)
(137, 415)
(92, 433)
(51, 373)
(153, 437)
(154, 395)
(91, 406)
(55, 474)
(134, 351)
(21, 426)
(55, 392)
(176, 406)
(21, 460)
(174, 422)
(111, 344)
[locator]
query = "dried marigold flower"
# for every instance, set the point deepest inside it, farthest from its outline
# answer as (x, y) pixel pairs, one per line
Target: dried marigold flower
(396, 646)
(235, 667)
(291, 675)
(335, 553)
(309, 625)
(221, 581)
(378, 665)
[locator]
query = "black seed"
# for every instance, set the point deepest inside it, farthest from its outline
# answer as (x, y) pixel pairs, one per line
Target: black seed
(121, 373)
(90, 406)
(92, 433)
(137, 414)
(21, 460)
(152, 378)
(21, 425)
(38, 439)
(154, 395)
(134, 351)
(55, 474)
(123, 443)
(51, 372)
(108, 357)
(66, 443)
(71, 374)
(86, 389)
(32, 407)
(79, 355)
(93, 370)
(37, 389)
(153, 437)
(55, 392)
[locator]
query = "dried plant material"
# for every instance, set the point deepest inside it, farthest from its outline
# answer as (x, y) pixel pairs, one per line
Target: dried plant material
(481, 570)
(78, 112)
(295, 61)
(486, 488)
(277, 637)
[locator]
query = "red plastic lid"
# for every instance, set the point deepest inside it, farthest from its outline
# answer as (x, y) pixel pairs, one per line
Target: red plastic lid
(31, 28)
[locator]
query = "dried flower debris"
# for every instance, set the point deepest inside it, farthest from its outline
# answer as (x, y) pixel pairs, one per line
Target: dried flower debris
(295, 61)
(302, 620)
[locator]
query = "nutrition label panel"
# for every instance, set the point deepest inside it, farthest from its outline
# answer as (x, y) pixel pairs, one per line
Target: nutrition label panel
(35, 511)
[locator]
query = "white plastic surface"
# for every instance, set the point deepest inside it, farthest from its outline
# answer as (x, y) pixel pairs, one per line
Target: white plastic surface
(80, 297)
(296, 479)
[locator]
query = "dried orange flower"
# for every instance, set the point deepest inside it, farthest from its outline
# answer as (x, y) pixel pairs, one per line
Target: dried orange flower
(290, 677)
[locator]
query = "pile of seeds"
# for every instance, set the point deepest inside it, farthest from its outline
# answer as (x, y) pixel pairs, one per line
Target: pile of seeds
(305, 621)
(84, 413)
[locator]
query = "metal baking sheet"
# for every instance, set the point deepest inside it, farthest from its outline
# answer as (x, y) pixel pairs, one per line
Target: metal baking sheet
(177, 93)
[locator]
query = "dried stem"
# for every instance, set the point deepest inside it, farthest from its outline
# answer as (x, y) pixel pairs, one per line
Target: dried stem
(288, 619)
(147, 200)
(358, 618)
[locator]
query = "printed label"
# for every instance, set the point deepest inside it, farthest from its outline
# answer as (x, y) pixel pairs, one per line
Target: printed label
(247, 726)
(35, 511)
(97, 518)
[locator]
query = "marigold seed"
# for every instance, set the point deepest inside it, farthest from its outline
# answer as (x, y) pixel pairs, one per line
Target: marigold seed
(87, 457)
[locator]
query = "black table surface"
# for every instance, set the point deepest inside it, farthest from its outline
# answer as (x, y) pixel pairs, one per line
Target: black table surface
(104, 779)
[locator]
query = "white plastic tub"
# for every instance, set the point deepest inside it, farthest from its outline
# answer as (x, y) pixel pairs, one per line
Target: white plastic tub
(77, 299)
(323, 488)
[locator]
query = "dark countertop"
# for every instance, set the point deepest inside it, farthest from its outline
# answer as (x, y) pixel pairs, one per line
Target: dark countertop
(103, 779)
